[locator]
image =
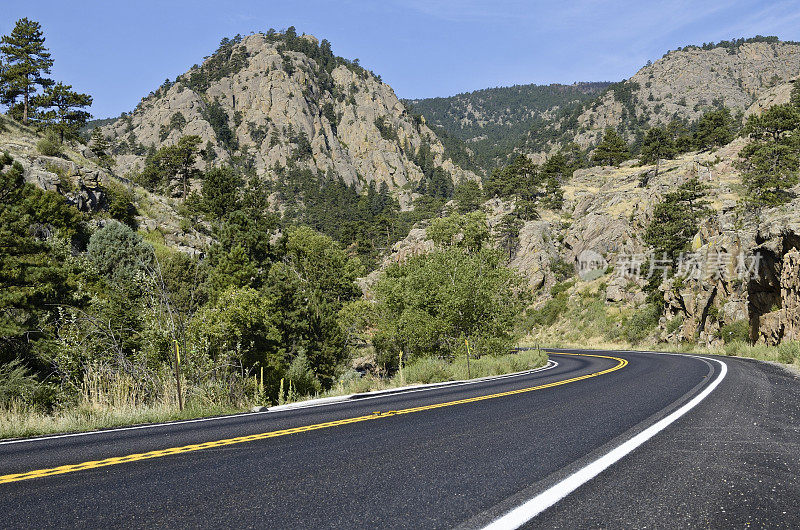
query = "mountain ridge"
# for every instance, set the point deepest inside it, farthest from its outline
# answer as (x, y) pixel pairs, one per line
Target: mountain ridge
(272, 100)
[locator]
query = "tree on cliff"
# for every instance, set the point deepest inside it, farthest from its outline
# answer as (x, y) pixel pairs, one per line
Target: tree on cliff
(714, 129)
(657, 146)
(66, 116)
(102, 149)
(26, 63)
(676, 219)
(172, 162)
(770, 161)
(612, 149)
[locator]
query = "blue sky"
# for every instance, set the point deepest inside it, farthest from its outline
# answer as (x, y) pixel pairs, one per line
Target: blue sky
(118, 51)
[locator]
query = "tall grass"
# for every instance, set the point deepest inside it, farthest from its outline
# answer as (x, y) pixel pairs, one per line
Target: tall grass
(18, 420)
(112, 399)
(437, 370)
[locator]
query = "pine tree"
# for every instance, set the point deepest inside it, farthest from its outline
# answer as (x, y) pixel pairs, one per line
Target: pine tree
(173, 162)
(657, 145)
(714, 129)
(101, 148)
(27, 62)
(612, 150)
(676, 219)
(794, 97)
(221, 187)
(508, 233)
(771, 160)
(555, 171)
(66, 117)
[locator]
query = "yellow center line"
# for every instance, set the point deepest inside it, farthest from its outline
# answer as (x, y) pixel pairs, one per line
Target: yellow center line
(294, 430)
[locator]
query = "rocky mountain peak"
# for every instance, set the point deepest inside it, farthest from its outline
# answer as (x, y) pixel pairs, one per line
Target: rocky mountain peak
(686, 82)
(268, 101)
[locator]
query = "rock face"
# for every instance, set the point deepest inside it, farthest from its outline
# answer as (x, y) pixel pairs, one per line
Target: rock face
(79, 181)
(784, 323)
(750, 275)
(259, 104)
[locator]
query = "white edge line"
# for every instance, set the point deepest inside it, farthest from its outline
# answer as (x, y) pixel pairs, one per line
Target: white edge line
(550, 364)
(533, 507)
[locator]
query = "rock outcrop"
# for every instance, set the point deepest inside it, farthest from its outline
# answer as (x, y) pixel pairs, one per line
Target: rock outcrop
(258, 104)
(784, 323)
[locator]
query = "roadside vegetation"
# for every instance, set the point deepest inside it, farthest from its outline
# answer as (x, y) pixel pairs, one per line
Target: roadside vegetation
(110, 404)
(103, 324)
(578, 316)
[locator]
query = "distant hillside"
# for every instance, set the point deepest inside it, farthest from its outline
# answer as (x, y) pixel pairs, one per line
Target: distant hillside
(682, 85)
(493, 121)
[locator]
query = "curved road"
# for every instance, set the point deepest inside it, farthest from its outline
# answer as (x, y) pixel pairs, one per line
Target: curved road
(456, 455)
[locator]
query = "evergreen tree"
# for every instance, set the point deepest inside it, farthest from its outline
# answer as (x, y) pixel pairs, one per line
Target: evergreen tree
(172, 162)
(520, 178)
(612, 149)
(680, 135)
(555, 171)
(676, 219)
(101, 148)
(508, 233)
(714, 129)
(794, 97)
(221, 191)
(26, 63)
(66, 116)
(468, 196)
(34, 272)
(770, 161)
(657, 145)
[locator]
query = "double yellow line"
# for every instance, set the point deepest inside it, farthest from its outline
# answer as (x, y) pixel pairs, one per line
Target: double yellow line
(93, 464)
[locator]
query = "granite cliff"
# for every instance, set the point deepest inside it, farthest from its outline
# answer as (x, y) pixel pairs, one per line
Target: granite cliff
(265, 101)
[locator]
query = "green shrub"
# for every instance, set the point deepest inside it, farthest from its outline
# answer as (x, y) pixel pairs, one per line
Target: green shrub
(121, 204)
(302, 375)
(16, 382)
(119, 253)
(49, 145)
(738, 331)
(549, 313)
(736, 347)
(674, 324)
(788, 352)
(642, 323)
(562, 269)
(561, 287)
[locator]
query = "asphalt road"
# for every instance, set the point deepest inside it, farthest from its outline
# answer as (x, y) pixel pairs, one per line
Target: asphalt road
(451, 456)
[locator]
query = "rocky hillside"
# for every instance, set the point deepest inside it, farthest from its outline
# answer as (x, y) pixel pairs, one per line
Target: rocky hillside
(76, 173)
(682, 84)
(592, 241)
(267, 101)
(494, 120)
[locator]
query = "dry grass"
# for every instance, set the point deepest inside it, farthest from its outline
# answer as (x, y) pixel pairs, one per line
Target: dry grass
(17, 421)
(428, 370)
(114, 400)
(110, 399)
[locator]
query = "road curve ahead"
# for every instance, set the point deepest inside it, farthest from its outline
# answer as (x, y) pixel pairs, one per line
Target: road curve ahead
(627, 439)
